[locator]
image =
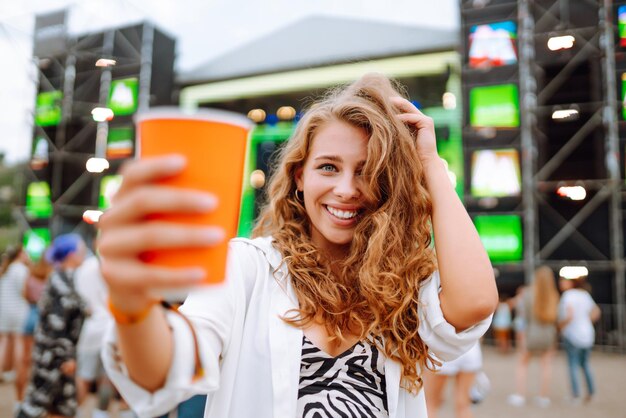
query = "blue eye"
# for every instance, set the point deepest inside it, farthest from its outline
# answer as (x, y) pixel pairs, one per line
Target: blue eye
(327, 167)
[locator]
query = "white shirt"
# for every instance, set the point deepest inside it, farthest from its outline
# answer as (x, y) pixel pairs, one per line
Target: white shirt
(579, 331)
(91, 287)
(251, 357)
(13, 306)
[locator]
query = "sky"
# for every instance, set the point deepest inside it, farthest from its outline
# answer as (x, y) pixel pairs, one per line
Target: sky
(204, 29)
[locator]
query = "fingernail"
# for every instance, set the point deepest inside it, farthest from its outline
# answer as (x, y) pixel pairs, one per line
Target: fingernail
(175, 162)
(215, 234)
(207, 202)
(196, 274)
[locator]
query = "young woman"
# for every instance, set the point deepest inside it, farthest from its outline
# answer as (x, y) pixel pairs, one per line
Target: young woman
(13, 307)
(52, 389)
(540, 304)
(337, 306)
(32, 291)
(577, 313)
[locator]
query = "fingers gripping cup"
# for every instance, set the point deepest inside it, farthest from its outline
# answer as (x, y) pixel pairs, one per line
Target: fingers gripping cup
(214, 145)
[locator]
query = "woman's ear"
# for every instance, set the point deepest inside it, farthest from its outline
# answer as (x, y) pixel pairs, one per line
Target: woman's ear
(298, 178)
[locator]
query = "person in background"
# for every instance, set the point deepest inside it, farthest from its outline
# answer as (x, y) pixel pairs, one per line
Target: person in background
(539, 305)
(89, 371)
(33, 289)
(463, 370)
(52, 388)
(577, 313)
(340, 302)
(519, 321)
(13, 309)
(501, 325)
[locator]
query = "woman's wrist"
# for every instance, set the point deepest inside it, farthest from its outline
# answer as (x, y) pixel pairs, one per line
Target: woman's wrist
(432, 161)
(128, 311)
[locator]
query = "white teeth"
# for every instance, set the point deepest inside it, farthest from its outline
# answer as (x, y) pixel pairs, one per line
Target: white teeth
(341, 213)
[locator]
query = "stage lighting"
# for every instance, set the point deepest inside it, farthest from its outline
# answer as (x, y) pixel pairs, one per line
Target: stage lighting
(573, 272)
(257, 179)
(572, 192)
(256, 115)
(557, 43)
(449, 101)
(105, 62)
(102, 114)
(92, 216)
(286, 113)
(565, 115)
(96, 165)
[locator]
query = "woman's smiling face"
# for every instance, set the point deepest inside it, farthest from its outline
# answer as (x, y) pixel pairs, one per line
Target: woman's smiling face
(333, 186)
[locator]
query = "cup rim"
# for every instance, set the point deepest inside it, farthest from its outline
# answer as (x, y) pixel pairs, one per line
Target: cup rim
(206, 114)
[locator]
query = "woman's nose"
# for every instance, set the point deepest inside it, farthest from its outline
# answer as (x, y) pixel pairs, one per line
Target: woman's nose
(347, 187)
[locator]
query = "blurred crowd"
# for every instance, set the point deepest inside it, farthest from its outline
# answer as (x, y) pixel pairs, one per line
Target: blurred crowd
(533, 323)
(53, 316)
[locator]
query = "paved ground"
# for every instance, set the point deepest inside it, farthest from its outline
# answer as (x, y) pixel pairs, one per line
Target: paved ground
(610, 378)
(610, 402)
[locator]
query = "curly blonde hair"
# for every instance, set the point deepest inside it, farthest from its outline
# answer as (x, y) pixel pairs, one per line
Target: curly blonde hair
(377, 288)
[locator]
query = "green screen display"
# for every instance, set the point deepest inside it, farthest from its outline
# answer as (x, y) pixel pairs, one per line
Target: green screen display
(495, 173)
(624, 95)
(48, 108)
(494, 106)
(264, 133)
(35, 242)
(120, 142)
(501, 236)
(108, 187)
(38, 203)
(123, 96)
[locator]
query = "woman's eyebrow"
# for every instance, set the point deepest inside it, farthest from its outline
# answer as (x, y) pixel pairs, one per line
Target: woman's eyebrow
(329, 157)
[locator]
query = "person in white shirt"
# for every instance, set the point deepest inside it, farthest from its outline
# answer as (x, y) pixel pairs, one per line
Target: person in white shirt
(340, 302)
(577, 313)
(13, 308)
(89, 370)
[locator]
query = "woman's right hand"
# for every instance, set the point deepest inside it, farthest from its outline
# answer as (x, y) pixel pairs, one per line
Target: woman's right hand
(126, 233)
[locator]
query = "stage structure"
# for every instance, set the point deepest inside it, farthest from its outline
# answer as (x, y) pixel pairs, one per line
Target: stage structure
(89, 88)
(544, 158)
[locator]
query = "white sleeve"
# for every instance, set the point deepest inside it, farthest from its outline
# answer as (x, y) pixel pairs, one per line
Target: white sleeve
(216, 314)
(439, 335)
(178, 386)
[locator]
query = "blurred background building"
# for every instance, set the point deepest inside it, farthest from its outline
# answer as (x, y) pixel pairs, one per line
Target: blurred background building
(527, 97)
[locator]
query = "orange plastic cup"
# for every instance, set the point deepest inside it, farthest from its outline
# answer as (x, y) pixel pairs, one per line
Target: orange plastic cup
(214, 144)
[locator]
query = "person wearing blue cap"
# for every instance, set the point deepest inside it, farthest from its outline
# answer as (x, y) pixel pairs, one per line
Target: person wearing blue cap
(52, 388)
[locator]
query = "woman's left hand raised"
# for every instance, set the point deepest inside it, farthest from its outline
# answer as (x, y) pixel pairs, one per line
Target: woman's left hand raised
(424, 125)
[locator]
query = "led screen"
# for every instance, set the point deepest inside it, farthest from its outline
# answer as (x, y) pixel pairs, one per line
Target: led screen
(108, 187)
(39, 153)
(495, 173)
(624, 95)
(123, 96)
(120, 142)
(35, 242)
(38, 203)
(501, 236)
(494, 106)
(48, 108)
(621, 24)
(493, 45)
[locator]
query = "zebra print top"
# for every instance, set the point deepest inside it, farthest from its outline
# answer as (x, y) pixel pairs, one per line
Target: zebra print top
(349, 385)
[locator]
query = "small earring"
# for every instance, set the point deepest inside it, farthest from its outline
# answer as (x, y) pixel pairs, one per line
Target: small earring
(299, 197)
